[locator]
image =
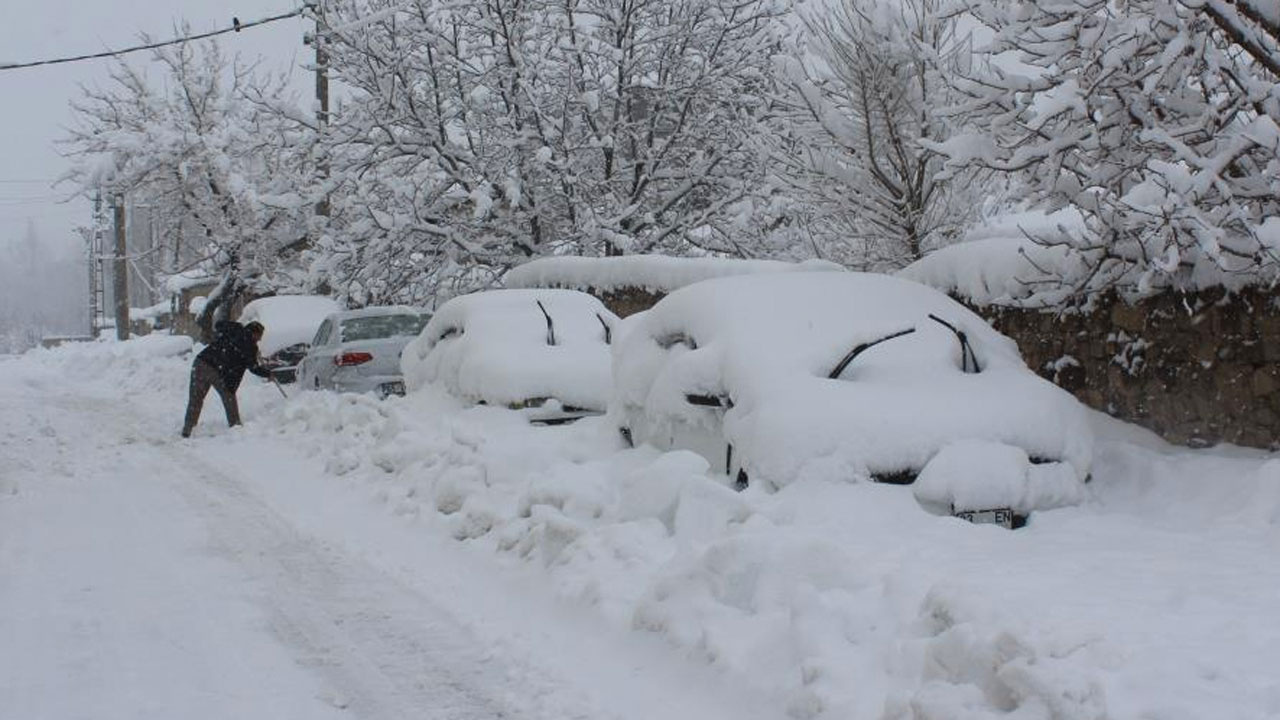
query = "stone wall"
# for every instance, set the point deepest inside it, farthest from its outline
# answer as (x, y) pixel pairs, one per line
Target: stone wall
(627, 301)
(1196, 369)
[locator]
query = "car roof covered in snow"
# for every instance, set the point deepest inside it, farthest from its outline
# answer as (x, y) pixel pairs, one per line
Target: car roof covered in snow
(288, 319)
(494, 346)
(374, 310)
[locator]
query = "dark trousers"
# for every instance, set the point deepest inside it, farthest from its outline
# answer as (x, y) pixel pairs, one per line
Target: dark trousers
(203, 377)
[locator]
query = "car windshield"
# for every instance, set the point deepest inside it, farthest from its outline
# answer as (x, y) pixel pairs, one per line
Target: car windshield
(373, 327)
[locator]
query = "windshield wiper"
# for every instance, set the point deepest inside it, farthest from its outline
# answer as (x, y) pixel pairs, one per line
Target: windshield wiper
(859, 349)
(551, 328)
(608, 331)
(967, 357)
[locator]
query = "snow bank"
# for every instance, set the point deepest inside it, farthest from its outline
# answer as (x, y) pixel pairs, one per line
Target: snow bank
(288, 319)
(848, 600)
(146, 364)
(494, 347)
(657, 273)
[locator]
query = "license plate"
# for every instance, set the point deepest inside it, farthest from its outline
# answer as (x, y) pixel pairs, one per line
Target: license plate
(393, 388)
(995, 516)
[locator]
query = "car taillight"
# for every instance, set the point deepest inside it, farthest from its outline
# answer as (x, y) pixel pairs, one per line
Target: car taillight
(352, 358)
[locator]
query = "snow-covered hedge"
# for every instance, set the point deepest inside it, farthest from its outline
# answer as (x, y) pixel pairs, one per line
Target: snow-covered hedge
(655, 273)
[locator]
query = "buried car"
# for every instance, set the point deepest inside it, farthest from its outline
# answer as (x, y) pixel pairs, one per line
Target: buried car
(291, 322)
(359, 350)
(543, 352)
(846, 375)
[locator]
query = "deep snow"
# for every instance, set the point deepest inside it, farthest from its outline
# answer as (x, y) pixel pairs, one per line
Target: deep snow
(154, 578)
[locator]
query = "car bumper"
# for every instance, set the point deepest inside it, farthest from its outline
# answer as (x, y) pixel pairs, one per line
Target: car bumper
(380, 385)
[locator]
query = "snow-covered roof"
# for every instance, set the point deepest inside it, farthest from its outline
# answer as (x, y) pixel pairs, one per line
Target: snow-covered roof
(658, 273)
(149, 313)
(184, 280)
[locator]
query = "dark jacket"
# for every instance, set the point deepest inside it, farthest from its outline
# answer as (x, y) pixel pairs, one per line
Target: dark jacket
(233, 351)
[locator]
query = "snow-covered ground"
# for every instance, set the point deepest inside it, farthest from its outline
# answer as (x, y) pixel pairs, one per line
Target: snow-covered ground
(344, 557)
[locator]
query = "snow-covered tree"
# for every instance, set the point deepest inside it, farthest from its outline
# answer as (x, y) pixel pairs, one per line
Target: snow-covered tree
(205, 147)
(1158, 119)
(867, 85)
(476, 135)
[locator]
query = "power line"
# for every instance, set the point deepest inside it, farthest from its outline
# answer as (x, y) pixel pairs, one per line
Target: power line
(236, 26)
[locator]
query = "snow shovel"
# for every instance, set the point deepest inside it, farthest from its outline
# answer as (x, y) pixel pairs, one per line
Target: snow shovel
(279, 387)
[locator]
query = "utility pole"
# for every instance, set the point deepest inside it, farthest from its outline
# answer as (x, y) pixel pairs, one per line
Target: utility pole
(95, 267)
(322, 95)
(120, 274)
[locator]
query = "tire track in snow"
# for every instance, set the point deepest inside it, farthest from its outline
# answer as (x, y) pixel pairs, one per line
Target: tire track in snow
(384, 650)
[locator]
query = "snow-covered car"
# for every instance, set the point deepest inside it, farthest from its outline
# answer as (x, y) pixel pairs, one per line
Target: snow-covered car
(542, 352)
(358, 351)
(847, 375)
(291, 322)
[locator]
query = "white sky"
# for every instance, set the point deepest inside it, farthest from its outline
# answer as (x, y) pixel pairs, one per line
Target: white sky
(35, 106)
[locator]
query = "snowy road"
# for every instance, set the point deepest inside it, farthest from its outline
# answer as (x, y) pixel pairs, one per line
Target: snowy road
(341, 557)
(144, 577)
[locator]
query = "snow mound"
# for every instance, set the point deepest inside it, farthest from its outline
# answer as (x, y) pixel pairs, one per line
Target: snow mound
(495, 347)
(656, 273)
(146, 364)
(105, 351)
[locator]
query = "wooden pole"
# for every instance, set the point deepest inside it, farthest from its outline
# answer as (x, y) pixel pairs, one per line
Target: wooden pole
(120, 275)
(95, 267)
(322, 99)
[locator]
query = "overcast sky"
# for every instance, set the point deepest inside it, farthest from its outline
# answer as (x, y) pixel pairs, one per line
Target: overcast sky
(36, 100)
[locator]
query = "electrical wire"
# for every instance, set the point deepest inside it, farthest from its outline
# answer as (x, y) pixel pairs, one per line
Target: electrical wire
(236, 26)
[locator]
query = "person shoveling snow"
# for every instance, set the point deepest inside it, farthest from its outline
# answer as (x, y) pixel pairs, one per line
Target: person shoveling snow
(221, 367)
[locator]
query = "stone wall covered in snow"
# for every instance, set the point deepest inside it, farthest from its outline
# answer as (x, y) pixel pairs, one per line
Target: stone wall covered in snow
(1197, 369)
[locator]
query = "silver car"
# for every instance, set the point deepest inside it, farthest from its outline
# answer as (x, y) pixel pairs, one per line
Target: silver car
(359, 350)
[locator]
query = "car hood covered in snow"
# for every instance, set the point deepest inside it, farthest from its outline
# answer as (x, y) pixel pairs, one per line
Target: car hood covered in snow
(767, 344)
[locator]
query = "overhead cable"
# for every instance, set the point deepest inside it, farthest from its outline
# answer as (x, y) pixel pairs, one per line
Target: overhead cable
(235, 26)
